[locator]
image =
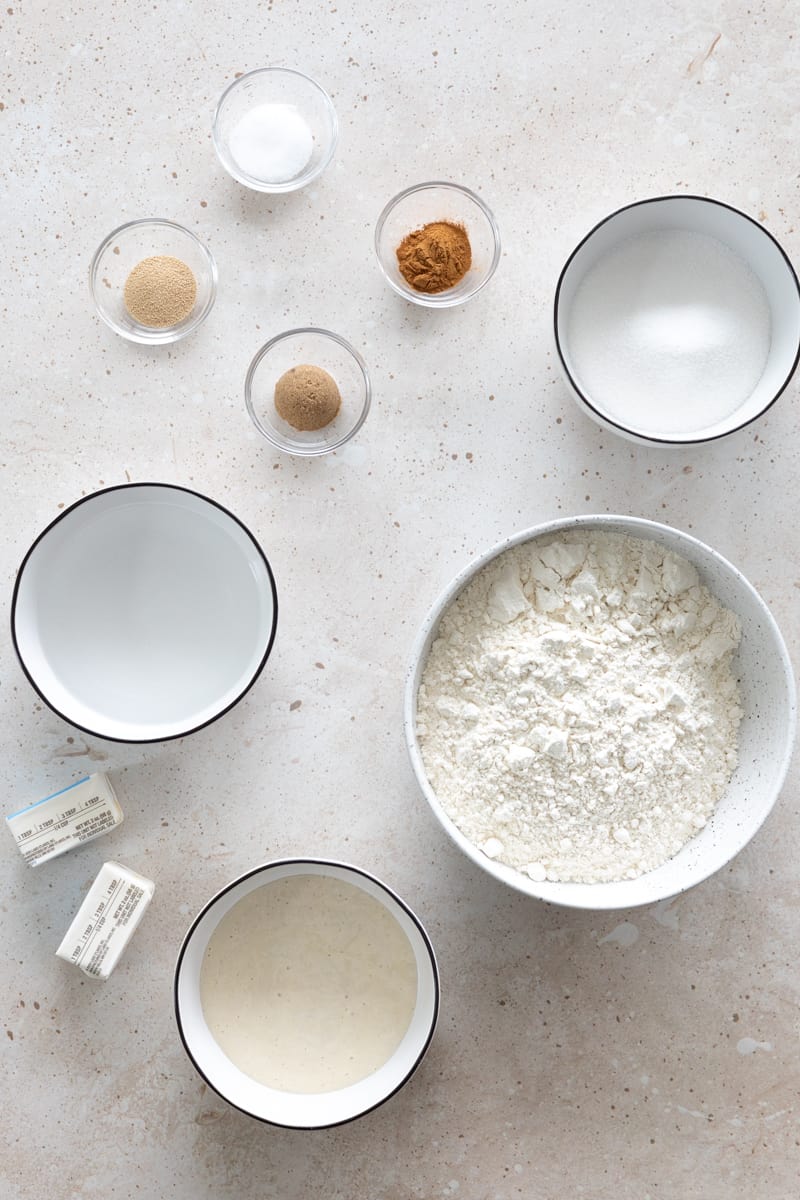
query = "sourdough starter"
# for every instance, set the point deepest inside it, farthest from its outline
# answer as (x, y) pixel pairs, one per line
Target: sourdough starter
(308, 984)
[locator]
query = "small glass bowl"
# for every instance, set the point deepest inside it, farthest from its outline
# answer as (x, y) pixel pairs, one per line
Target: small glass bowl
(277, 85)
(426, 202)
(313, 347)
(120, 252)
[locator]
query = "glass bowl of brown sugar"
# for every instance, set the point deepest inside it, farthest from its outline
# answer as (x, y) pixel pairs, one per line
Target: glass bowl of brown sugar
(437, 244)
(308, 391)
(153, 281)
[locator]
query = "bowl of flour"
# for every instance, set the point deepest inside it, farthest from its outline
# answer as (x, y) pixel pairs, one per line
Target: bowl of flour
(677, 321)
(600, 711)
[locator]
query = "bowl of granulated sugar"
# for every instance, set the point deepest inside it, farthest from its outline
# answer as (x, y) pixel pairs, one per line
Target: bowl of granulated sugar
(677, 321)
(600, 711)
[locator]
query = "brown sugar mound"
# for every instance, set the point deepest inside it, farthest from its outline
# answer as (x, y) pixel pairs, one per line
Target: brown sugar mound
(436, 257)
(307, 397)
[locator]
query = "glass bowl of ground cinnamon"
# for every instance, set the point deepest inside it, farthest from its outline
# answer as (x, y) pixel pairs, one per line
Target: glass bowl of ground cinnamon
(307, 391)
(153, 281)
(437, 244)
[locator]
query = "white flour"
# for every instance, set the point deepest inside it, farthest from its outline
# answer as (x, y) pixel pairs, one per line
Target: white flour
(577, 714)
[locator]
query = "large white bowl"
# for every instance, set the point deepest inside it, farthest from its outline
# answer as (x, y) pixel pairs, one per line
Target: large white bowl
(766, 734)
(143, 612)
(297, 1110)
(750, 242)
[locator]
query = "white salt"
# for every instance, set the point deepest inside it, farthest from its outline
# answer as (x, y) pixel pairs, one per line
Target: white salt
(271, 142)
(669, 333)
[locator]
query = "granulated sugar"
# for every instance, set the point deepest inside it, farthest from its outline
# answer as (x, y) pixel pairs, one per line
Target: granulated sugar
(577, 714)
(669, 332)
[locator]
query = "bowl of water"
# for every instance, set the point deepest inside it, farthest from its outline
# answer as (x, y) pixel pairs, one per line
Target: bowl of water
(677, 321)
(144, 612)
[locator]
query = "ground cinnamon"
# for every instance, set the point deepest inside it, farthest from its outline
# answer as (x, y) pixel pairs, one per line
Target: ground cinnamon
(435, 257)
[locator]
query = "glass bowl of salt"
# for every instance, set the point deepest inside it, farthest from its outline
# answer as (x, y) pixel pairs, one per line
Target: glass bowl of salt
(677, 321)
(275, 129)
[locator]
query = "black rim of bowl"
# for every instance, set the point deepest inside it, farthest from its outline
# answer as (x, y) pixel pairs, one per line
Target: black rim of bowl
(626, 429)
(120, 487)
(301, 862)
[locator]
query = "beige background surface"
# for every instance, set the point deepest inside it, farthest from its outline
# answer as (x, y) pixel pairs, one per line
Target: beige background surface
(644, 1054)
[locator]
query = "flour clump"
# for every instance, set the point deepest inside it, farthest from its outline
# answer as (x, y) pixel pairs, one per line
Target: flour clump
(578, 714)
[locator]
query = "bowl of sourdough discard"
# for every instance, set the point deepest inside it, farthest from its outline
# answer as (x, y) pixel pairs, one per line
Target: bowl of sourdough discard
(306, 993)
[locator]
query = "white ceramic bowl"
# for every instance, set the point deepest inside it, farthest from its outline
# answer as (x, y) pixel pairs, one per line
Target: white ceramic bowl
(143, 612)
(291, 1109)
(753, 246)
(766, 734)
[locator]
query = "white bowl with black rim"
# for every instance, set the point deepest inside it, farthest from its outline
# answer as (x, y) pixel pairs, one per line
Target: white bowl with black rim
(635, 302)
(297, 1109)
(143, 612)
(766, 734)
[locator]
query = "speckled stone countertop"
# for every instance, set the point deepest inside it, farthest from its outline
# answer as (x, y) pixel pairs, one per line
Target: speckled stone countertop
(652, 1053)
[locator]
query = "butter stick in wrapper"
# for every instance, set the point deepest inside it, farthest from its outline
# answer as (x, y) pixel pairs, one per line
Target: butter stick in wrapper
(106, 920)
(66, 819)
